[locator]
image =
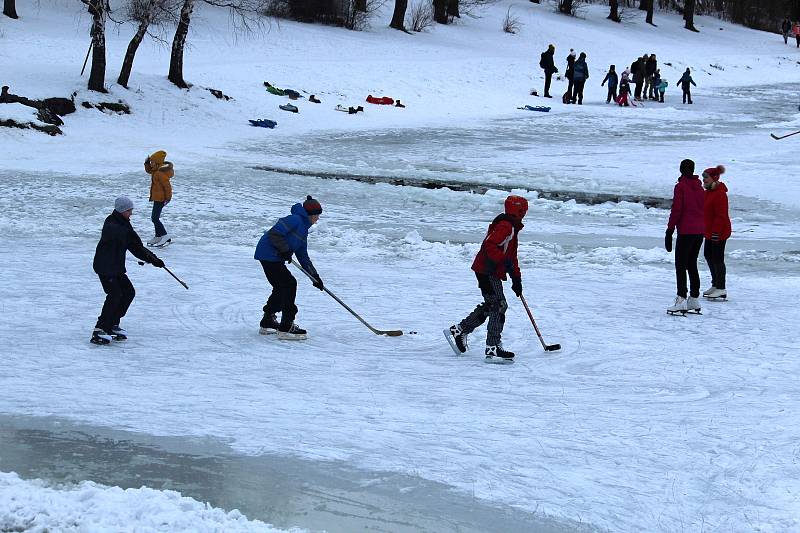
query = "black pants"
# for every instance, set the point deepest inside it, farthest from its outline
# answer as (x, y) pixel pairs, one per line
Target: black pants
(493, 307)
(577, 95)
(797, 37)
(687, 248)
(284, 291)
(548, 78)
(612, 94)
(570, 92)
(637, 92)
(155, 217)
(714, 253)
(687, 94)
(119, 295)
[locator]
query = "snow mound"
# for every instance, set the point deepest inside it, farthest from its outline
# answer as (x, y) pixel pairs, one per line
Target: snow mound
(33, 505)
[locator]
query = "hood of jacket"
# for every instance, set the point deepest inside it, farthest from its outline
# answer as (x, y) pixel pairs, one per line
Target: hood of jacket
(720, 187)
(299, 210)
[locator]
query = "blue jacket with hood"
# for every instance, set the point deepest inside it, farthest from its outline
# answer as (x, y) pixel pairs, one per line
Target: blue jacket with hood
(289, 234)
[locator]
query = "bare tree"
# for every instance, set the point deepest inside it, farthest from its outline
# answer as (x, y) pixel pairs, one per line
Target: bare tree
(688, 15)
(614, 11)
(97, 75)
(399, 16)
(145, 12)
(452, 10)
(440, 11)
(10, 9)
(178, 42)
(511, 23)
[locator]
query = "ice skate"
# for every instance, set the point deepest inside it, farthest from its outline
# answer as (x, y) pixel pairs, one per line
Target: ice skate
(154, 239)
(496, 354)
(269, 325)
(717, 294)
(164, 240)
(709, 290)
(100, 336)
(693, 306)
(119, 334)
(295, 333)
(679, 307)
(456, 339)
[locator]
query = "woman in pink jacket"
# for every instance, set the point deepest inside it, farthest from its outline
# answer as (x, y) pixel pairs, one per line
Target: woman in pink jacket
(687, 216)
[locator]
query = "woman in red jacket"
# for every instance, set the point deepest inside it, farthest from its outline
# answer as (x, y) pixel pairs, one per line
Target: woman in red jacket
(496, 258)
(718, 229)
(687, 216)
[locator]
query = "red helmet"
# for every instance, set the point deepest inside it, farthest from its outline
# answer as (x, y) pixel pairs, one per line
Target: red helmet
(516, 206)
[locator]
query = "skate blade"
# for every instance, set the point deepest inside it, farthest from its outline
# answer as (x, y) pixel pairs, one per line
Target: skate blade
(497, 361)
(677, 313)
(292, 337)
(716, 298)
(451, 341)
(267, 331)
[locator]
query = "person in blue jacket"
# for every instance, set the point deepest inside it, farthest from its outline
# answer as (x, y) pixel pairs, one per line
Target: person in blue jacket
(275, 248)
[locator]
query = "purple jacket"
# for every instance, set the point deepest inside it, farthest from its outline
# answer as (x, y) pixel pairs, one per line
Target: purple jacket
(687, 206)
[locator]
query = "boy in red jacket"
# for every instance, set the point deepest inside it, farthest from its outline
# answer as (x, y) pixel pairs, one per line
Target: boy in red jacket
(718, 230)
(686, 215)
(496, 258)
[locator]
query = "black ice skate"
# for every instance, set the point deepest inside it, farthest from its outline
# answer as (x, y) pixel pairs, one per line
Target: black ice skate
(496, 354)
(100, 336)
(119, 334)
(269, 325)
(294, 333)
(456, 339)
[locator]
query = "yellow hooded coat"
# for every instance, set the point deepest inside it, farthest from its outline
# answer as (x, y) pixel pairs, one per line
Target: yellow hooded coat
(160, 173)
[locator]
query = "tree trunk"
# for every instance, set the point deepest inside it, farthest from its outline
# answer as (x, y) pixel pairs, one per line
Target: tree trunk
(127, 63)
(360, 5)
(97, 76)
(650, 8)
(399, 17)
(10, 9)
(565, 7)
(688, 15)
(614, 14)
(440, 11)
(642, 5)
(176, 59)
(452, 9)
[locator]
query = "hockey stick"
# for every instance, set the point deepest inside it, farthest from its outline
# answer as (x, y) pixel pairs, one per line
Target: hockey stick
(547, 347)
(782, 136)
(185, 286)
(389, 333)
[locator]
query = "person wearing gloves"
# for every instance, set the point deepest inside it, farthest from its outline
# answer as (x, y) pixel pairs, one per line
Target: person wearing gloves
(117, 238)
(717, 230)
(161, 172)
(496, 258)
(276, 247)
(687, 216)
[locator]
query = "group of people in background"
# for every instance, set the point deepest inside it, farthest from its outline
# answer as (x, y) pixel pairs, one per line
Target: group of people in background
(699, 213)
(789, 27)
(643, 74)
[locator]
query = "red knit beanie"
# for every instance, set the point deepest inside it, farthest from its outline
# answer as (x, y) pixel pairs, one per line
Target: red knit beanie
(714, 172)
(312, 206)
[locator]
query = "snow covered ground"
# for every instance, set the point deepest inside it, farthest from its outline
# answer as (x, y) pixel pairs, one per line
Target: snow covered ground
(643, 422)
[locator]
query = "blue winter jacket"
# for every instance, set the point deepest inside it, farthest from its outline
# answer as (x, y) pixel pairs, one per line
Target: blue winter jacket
(289, 234)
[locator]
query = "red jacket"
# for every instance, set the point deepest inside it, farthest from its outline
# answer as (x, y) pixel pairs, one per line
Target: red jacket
(687, 207)
(498, 253)
(715, 212)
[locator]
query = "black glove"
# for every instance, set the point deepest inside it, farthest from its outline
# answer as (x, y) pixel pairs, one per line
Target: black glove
(668, 239)
(318, 283)
(516, 286)
(286, 256)
(156, 262)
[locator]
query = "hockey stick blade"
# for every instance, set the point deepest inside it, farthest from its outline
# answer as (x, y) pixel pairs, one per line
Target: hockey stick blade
(552, 347)
(391, 333)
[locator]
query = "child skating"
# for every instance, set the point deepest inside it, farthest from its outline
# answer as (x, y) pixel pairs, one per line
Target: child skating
(496, 258)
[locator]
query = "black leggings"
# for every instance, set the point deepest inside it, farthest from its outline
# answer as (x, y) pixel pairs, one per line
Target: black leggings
(714, 253)
(687, 248)
(577, 94)
(119, 295)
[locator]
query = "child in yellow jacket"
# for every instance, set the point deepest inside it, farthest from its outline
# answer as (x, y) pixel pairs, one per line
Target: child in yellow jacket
(160, 172)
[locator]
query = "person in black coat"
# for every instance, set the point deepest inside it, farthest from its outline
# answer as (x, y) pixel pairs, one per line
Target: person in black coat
(117, 238)
(613, 81)
(567, 97)
(650, 67)
(637, 72)
(686, 83)
(548, 65)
